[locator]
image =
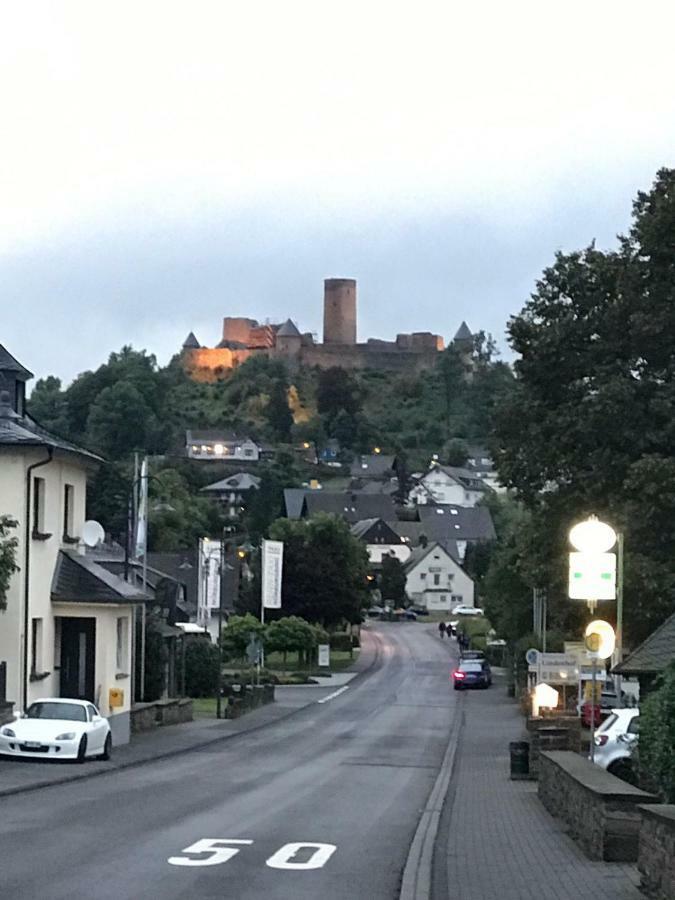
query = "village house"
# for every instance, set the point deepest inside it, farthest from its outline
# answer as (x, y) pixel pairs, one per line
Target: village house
(436, 580)
(233, 493)
(380, 540)
(448, 484)
(66, 626)
(221, 446)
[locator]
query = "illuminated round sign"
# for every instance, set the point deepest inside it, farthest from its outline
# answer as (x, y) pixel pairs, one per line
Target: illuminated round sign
(592, 536)
(600, 639)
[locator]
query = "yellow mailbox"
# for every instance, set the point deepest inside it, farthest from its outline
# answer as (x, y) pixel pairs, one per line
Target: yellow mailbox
(115, 697)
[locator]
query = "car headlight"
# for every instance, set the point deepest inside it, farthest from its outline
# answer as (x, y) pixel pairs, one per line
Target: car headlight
(66, 736)
(7, 732)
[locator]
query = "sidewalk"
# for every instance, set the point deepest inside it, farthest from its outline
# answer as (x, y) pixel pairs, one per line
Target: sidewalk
(18, 776)
(499, 841)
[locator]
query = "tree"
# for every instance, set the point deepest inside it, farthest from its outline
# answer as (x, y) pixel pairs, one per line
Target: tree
(392, 580)
(456, 452)
(48, 406)
(656, 750)
(202, 661)
(8, 547)
(279, 416)
(337, 390)
(120, 420)
(237, 634)
(588, 424)
(290, 634)
(325, 569)
(267, 503)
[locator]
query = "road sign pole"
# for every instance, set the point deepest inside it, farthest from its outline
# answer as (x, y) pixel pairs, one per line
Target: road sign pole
(618, 653)
(592, 753)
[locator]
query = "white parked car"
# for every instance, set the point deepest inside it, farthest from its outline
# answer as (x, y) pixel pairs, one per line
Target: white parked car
(467, 611)
(56, 728)
(614, 742)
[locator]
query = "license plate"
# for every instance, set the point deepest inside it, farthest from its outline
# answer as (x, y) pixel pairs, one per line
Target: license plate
(32, 745)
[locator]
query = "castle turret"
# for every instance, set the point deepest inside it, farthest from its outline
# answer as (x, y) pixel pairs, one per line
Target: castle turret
(339, 311)
(191, 342)
(288, 340)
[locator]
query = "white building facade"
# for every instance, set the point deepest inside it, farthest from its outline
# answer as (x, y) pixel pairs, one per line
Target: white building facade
(435, 580)
(66, 624)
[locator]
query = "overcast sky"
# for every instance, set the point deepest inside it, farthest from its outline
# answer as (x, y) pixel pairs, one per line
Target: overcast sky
(165, 164)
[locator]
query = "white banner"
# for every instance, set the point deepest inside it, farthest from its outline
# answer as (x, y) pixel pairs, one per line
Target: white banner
(209, 579)
(272, 566)
(142, 514)
(324, 654)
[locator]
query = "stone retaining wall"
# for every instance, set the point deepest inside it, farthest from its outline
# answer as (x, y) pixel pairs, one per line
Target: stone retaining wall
(240, 699)
(656, 858)
(602, 812)
(146, 716)
(552, 733)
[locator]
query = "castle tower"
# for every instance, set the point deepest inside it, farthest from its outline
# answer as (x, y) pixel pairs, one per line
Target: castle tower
(288, 340)
(339, 311)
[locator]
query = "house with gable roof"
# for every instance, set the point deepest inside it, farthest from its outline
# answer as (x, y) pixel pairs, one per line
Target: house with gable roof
(448, 484)
(435, 578)
(66, 623)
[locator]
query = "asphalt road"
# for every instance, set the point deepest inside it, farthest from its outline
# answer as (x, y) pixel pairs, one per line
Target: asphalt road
(350, 775)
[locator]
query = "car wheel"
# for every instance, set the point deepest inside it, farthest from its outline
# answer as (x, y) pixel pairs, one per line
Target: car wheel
(622, 769)
(82, 749)
(107, 748)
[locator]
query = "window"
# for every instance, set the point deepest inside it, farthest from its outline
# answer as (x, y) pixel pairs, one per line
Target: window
(38, 506)
(437, 579)
(122, 651)
(248, 451)
(91, 711)
(68, 511)
(36, 646)
(634, 726)
(457, 598)
(423, 575)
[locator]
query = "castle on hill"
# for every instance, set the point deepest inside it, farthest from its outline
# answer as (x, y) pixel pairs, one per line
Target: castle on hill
(244, 337)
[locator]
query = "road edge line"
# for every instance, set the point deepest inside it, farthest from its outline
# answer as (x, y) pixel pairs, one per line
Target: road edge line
(417, 874)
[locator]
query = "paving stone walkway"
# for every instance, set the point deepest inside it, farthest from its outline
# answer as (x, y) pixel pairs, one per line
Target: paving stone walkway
(501, 842)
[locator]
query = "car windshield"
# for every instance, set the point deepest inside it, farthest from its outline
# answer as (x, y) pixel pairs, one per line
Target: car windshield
(470, 667)
(607, 724)
(73, 712)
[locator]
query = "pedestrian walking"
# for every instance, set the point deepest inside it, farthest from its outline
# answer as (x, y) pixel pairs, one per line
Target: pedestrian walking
(441, 629)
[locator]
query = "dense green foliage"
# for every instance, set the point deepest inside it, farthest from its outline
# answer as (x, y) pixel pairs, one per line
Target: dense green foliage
(325, 569)
(202, 659)
(589, 426)
(392, 581)
(8, 546)
(236, 636)
(656, 751)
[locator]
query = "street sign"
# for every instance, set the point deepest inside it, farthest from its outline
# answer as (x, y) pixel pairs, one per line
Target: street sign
(555, 668)
(532, 657)
(272, 567)
(592, 576)
(324, 654)
(253, 650)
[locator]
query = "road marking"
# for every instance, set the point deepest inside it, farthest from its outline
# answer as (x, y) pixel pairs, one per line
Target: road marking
(218, 855)
(334, 694)
(320, 856)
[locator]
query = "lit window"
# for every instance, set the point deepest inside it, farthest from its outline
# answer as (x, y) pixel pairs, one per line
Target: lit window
(218, 449)
(454, 512)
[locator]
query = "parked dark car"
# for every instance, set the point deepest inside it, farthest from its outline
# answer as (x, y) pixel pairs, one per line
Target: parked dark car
(472, 673)
(471, 654)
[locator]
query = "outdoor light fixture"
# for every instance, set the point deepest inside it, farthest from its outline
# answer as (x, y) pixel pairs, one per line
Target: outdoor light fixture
(592, 536)
(544, 697)
(600, 639)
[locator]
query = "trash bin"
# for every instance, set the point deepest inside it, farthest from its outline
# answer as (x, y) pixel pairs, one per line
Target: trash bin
(520, 759)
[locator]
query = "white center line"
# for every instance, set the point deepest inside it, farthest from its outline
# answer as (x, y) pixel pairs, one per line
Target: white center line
(334, 694)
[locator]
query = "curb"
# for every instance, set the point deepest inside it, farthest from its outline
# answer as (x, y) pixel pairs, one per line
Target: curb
(417, 874)
(28, 788)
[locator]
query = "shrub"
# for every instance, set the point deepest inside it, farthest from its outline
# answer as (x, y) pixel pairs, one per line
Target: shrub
(341, 640)
(202, 659)
(656, 750)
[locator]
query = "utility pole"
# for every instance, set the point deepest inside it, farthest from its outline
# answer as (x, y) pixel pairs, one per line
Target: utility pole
(221, 601)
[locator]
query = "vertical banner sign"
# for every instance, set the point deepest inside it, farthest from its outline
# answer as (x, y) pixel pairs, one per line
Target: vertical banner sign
(272, 564)
(324, 654)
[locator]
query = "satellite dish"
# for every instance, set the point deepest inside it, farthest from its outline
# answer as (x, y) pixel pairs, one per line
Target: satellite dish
(92, 533)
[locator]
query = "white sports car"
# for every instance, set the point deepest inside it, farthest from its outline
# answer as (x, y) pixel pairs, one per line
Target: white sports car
(57, 728)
